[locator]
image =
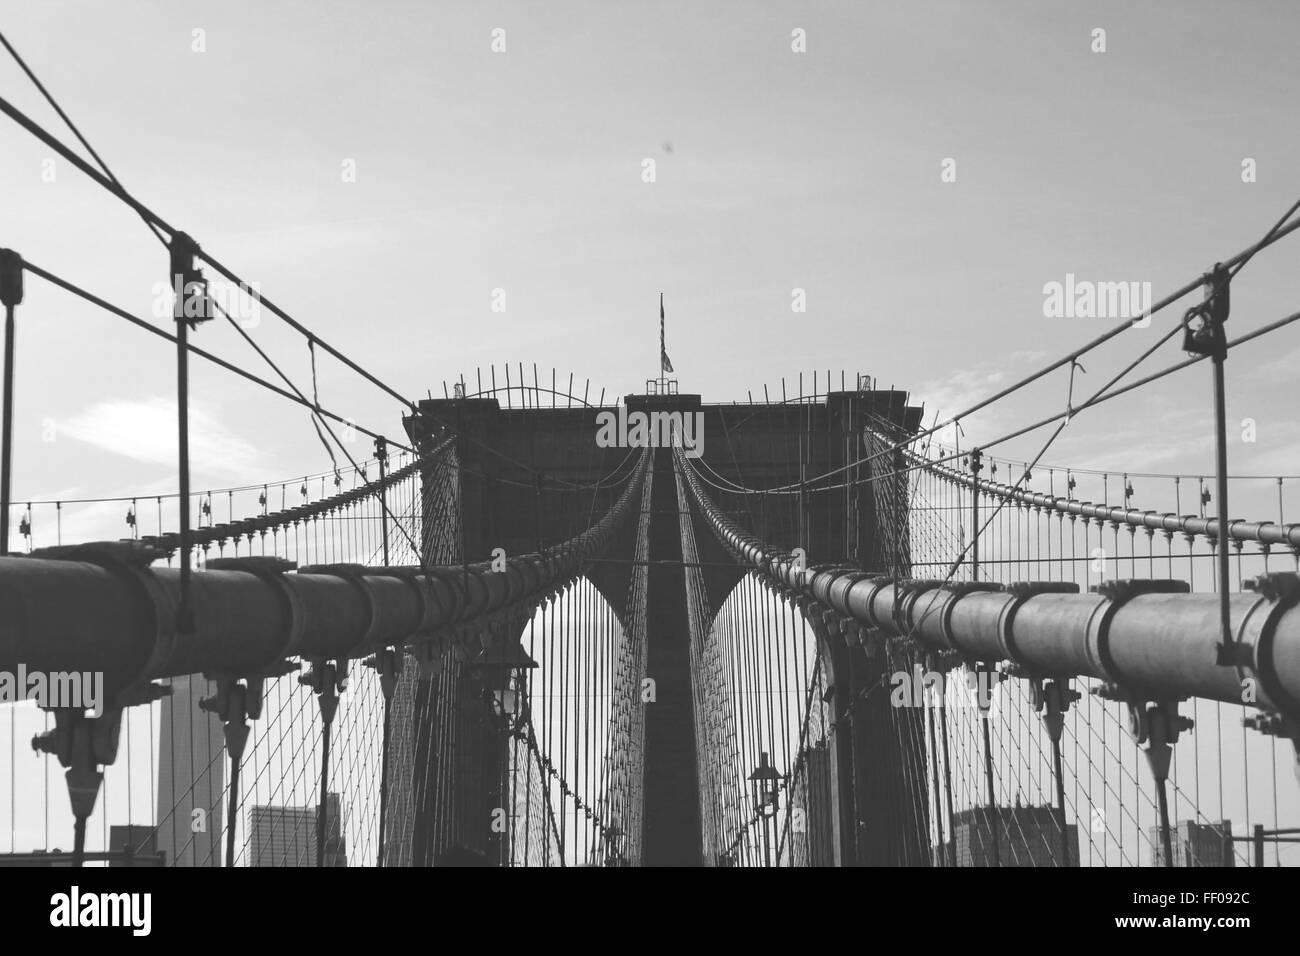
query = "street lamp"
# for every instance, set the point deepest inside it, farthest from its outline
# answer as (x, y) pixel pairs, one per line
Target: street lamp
(763, 784)
(500, 666)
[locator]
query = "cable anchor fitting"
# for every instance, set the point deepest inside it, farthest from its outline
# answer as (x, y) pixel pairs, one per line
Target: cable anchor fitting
(11, 278)
(1203, 323)
(327, 679)
(1052, 699)
(387, 663)
(188, 283)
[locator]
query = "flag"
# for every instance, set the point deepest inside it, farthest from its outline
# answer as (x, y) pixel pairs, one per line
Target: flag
(664, 363)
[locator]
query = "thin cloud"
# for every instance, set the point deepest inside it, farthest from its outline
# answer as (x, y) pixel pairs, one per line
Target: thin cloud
(1281, 368)
(1027, 355)
(145, 431)
(956, 393)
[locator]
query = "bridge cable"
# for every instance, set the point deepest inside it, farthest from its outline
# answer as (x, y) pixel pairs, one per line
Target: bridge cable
(1100, 397)
(112, 186)
(318, 412)
(1279, 231)
(49, 98)
(110, 183)
(1097, 399)
(153, 222)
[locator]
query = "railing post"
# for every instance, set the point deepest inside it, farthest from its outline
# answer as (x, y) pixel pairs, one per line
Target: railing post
(976, 459)
(933, 664)
(985, 673)
(11, 294)
(237, 701)
(381, 453)
(1208, 339)
(327, 679)
(187, 283)
(1055, 697)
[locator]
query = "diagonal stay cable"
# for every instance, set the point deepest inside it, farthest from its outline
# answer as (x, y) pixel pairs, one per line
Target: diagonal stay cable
(1275, 234)
(49, 98)
(112, 185)
(692, 475)
(1268, 236)
(1239, 260)
(315, 407)
(121, 313)
(1025, 429)
(153, 228)
(115, 188)
(1066, 417)
(1147, 380)
(315, 410)
(1029, 467)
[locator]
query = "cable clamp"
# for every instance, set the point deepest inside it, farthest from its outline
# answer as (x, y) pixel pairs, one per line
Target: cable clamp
(11, 278)
(1203, 323)
(192, 305)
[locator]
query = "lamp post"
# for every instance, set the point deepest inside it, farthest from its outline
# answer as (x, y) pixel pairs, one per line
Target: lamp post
(763, 784)
(501, 667)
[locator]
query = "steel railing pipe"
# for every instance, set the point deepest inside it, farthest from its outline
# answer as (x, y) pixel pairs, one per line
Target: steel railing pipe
(104, 607)
(1151, 639)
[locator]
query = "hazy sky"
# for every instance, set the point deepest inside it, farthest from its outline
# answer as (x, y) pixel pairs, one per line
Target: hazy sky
(522, 171)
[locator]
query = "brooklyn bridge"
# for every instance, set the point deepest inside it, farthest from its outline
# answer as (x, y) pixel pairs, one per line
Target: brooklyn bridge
(497, 643)
(524, 622)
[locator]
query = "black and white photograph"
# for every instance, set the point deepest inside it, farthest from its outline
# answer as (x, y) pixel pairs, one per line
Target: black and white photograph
(775, 434)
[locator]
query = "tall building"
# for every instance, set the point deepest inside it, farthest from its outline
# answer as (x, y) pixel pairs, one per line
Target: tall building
(286, 836)
(1195, 844)
(191, 776)
(1013, 836)
(140, 841)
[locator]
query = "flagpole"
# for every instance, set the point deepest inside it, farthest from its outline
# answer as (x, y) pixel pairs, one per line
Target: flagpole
(662, 348)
